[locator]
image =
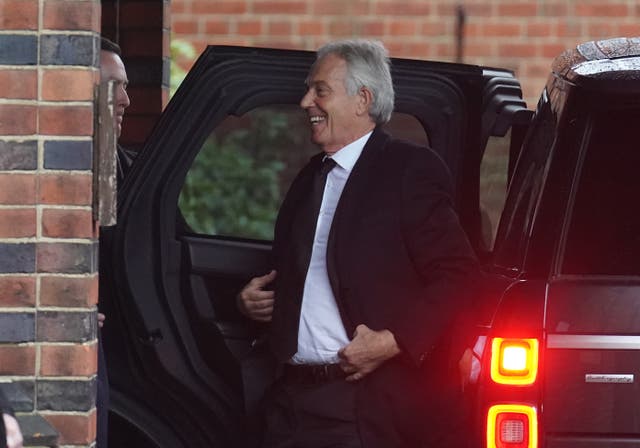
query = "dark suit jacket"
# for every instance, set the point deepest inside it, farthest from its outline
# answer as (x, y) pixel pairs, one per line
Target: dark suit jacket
(397, 259)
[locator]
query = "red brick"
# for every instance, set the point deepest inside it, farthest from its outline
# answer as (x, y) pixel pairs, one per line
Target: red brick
(58, 223)
(518, 9)
(17, 291)
(17, 119)
(600, 30)
(188, 26)
(69, 360)
(68, 85)
(72, 292)
(217, 26)
(415, 50)
(279, 28)
(279, 7)
(19, 84)
(477, 9)
(66, 120)
(628, 29)
(17, 189)
(219, 7)
(572, 29)
(65, 189)
(394, 8)
(501, 29)
(254, 27)
(552, 50)
(17, 223)
(549, 9)
(537, 70)
(70, 14)
(330, 7)
(516, 50)
(436, 29)
(19, 14)
(74, 429)
(479, 49)
(604, 9)
(374, 27)
(403, 27)
(341, 28)
(539, 29)
(17, 360)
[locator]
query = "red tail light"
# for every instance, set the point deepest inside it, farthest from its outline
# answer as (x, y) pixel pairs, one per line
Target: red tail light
(514, 361)
(512, 426)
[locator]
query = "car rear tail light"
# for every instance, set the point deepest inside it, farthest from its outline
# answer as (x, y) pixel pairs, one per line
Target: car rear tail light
(512, 426)
(514, 361)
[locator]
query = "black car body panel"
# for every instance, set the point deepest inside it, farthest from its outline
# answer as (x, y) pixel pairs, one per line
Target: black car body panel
(565, 270)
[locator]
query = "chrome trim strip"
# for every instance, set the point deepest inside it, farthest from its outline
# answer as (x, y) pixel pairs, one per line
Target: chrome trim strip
(608, 378)
(593, 342)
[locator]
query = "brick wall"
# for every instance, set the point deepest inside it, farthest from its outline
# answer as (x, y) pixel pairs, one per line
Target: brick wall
(523, 35)
(48, 280)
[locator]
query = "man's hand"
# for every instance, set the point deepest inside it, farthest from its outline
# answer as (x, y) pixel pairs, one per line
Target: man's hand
(14, 435)
(367, 351)
(254, 302)
(464, 368)
(101, 319)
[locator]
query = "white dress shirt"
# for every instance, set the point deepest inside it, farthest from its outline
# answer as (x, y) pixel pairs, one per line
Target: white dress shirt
(321, 332)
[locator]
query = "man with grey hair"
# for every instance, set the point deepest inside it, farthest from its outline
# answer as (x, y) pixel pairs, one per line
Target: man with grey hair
(369, 262)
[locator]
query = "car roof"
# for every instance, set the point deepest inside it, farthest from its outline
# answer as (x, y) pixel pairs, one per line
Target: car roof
(610, 64)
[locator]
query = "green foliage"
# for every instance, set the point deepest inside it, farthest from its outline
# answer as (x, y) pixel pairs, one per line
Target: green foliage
(181, 51)
(227, 192)
(236, 183)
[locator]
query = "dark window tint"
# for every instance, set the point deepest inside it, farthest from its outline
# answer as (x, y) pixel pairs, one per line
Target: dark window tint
(242, 172)
(525, 189)
(604, 232)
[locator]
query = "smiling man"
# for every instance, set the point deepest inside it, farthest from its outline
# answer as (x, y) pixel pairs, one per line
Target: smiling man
(369, 266)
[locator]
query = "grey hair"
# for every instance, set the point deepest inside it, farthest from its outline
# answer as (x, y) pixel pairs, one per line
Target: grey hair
(368, 65)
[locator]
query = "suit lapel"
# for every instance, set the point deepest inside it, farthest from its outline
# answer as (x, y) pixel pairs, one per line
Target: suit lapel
(357, 187)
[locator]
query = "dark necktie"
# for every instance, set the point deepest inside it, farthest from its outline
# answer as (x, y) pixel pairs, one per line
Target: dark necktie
(309, 219)
(284, 328)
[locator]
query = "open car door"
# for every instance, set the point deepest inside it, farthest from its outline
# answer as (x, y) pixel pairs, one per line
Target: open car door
(196, 218)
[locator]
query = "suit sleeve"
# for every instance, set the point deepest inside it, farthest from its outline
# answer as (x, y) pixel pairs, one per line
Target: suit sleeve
(440, 253)
(5, 406)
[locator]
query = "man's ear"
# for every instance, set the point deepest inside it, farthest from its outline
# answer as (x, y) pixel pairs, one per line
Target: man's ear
(365, 99)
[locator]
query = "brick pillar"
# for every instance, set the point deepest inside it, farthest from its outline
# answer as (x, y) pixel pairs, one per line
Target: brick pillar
(141, 28)
(48, 239)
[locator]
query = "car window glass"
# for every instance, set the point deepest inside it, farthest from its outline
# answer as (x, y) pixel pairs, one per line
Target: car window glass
(604, 230)
(243, 170)
(493, 186)
(525, 189)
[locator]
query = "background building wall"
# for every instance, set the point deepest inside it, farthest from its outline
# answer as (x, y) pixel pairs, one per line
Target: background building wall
(141, 28)
(48, 280)
(523, 35)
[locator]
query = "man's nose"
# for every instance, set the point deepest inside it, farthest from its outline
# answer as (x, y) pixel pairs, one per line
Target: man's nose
(307, 100)
(123, 98)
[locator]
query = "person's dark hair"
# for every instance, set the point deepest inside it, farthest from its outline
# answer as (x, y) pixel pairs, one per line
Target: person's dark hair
(108, 45)
(368, 65)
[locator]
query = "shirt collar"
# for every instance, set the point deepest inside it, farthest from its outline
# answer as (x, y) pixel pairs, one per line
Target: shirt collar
(347, 156)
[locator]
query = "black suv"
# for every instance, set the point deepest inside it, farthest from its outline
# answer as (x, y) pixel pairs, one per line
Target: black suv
(556, 360)
(196, 218)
